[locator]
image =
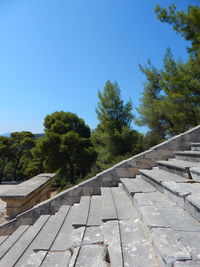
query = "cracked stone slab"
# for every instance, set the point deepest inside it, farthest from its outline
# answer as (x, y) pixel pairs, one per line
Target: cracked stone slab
(77, 236)
(179, 220)
(87, 241)
(152, 217)
(63, 239)
(161, 200)
(77, 239)
(112, 241)
(121, 200)
(92, 255)
(191, 241)
(93, 235)
(141, 199)
(34, 259)
(108, 206)
(168, 246)
(95, 216)
(74, 257)
(57, 259)
(195, 173)
(135, 246)
(82, 212)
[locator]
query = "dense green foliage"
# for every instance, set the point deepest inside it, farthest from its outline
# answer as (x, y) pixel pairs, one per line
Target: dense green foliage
(66, 147)
(113, 136)
(15, 155)
(185, 23)
(171, 96)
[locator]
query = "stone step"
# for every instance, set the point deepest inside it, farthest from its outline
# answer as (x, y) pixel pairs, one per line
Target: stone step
(195, 146)
(66, 247)
(157, 176)
(57, 258)
(93, 252)
(38, 249)
(77, 241)
(82, 212)
(193, 156)
(16, 251)
(112, 241)
(157, 211)
(3, 238)
(95, 212)
(186, 195)
(169, 212)
(137, 185)
(178, 167)
(108, 205)
(169, 247)
(136, 247)
(12, 239)
(175, 234)
(63, 240)
(121, 201)
(92, 256)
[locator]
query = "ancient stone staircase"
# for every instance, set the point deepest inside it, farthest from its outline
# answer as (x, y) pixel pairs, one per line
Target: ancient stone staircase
(147, 221)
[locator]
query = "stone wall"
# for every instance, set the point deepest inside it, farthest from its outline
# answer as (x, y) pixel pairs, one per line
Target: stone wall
(127, 168)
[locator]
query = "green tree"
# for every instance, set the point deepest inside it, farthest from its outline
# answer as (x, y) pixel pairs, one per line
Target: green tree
(175, 106)
(113, 136)
(182, 94)
(150, 113)
(185, 23)
(171, 96)
(5, 155)
(36, 165)
(67, 148)
(111, 111)
(21, 145)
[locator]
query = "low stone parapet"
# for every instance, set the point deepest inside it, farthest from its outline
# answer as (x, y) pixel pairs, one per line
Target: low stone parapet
(27, 194)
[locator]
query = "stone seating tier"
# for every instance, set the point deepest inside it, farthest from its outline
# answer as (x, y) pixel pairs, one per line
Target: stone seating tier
(152, 219)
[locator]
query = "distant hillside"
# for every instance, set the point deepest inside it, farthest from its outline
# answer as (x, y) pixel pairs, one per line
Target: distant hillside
(37, 136)
(5, 134)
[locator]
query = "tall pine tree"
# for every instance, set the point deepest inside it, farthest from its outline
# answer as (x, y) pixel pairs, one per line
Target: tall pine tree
(113, 136)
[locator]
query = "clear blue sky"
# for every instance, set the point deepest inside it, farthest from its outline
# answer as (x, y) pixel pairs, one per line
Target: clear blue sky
(56, 54)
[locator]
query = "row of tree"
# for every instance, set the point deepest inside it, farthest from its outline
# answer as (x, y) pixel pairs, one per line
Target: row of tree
(170, 105)
(68, 147)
